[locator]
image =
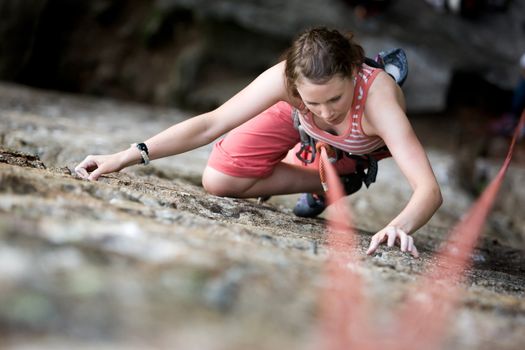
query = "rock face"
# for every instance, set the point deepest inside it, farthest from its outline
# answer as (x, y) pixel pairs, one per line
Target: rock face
(146, 259)
(199, 53)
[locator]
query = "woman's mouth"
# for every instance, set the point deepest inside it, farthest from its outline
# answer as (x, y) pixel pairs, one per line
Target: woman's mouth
(333, 119)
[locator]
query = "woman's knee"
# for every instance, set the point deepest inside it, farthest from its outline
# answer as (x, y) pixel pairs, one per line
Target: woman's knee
(222, 185)
(212, 185)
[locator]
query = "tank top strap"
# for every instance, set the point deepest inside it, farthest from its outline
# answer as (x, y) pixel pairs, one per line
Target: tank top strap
(362, 82)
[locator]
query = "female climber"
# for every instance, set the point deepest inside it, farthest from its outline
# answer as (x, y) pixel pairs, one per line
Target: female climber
(324, 90)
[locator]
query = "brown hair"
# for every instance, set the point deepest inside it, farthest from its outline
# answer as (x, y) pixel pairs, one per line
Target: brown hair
(319, 54)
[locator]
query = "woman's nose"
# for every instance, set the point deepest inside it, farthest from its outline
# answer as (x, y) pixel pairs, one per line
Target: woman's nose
(326, 112)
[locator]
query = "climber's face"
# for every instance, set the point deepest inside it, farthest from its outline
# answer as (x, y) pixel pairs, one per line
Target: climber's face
(329, 101)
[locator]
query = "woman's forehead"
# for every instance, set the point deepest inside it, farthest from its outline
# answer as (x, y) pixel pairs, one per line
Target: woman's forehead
(320, 93)
(335, 83)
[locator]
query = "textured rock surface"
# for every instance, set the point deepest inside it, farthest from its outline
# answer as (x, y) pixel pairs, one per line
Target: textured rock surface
(146, 259)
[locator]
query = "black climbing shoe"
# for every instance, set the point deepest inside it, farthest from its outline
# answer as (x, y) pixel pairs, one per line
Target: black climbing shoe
(309, 205)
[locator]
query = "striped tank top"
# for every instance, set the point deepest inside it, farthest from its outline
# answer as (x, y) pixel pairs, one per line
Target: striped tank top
(354, 140)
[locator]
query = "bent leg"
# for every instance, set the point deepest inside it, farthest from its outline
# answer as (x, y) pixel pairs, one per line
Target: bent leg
(285, 179)
(248, 161)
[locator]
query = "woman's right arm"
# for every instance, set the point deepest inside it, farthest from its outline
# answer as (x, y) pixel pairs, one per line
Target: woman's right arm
(266, 90)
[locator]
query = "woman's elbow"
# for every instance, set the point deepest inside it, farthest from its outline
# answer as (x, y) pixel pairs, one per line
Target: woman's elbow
(437, 196)
(431, 192)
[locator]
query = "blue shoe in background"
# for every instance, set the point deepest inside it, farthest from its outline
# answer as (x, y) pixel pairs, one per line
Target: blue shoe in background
(395, 63)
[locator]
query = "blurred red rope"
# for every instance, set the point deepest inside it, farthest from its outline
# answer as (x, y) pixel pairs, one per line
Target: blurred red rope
(421, 323)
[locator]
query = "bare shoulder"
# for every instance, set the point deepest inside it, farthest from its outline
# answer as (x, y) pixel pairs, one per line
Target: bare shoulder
(278, 68)
(385, 87)
(270, 83)
(274, 74)
(385, 106)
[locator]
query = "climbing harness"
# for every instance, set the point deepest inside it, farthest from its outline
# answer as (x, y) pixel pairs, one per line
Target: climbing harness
(310, 147)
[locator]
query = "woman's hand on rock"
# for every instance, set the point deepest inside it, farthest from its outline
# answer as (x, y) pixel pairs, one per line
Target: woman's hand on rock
(93, 166)
(393, 235)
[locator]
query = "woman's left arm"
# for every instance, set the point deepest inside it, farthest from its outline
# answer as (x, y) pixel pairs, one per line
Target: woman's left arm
(385, 116)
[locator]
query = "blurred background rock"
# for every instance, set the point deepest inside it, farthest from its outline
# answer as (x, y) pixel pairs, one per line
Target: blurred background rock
(197, 53)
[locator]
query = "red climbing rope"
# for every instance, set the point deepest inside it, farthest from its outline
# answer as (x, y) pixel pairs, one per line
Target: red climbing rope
(324, 161)
(421, 323)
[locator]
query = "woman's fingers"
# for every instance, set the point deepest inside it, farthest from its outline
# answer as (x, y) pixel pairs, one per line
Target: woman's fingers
(393, 235)
(410, 243)
(83, 168)
(373, 245)
(403, 240)
(412, 248)
(81, 172)
(376, 240)
(95, 174)
(95, 164)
